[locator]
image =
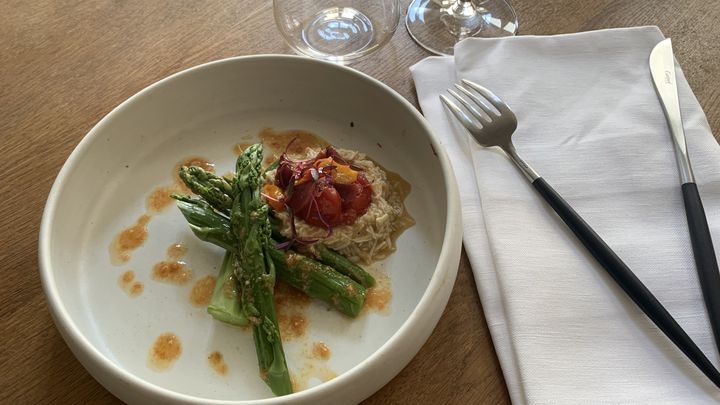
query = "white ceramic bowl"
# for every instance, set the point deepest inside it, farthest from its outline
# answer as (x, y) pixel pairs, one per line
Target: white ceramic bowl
(204, 111)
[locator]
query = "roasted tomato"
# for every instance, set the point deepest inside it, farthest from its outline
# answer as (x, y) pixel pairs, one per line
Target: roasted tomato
(324, 191)
(356, 198)
(318, 204)
(283, 176)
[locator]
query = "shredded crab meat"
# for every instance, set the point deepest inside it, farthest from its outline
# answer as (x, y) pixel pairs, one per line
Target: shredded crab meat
(369, 238)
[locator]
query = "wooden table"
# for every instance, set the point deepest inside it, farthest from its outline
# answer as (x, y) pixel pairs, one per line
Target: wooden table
(64, 64)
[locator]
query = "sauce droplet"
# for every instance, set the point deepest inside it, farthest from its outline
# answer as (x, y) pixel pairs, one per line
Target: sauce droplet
(128, 240)
(164, 352)
(290, 305)
(378, 298)
(129, 285)
(218, 363)
(176, 251)
(175, 272)
(202, 291)
(160, 199)
(321, 351)
(292, 326)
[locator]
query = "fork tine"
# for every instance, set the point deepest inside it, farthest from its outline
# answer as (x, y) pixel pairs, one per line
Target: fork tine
(470, 107)
(469, 124)
(480, 103)
(490, 96)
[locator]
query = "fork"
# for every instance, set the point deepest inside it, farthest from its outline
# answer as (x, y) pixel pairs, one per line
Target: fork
(495, 128)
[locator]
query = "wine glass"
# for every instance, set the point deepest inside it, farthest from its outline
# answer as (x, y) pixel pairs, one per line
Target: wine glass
(437, 25)
(340, 31)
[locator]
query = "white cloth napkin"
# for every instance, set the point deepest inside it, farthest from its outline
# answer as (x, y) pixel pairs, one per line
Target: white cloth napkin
(591, 125)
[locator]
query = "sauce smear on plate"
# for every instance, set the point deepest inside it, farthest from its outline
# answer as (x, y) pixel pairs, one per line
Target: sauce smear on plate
(129, 285)
(128, 240)
(290, 305)
(217, 362)
(202, 291)
(132, 237)
(173, 270)
(165, 351)
(321, 351)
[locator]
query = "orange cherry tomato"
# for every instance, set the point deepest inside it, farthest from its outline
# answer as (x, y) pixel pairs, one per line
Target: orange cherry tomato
(274, 197)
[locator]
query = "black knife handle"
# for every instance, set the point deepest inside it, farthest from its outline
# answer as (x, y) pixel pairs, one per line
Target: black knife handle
(705, 261)
(627, 280)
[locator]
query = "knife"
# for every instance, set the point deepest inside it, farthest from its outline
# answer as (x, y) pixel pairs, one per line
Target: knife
(662, 69)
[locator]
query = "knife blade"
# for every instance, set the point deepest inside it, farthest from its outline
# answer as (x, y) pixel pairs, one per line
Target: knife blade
(662, 69)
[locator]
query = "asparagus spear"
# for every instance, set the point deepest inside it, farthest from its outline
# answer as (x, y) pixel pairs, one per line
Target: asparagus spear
(319, 280)
(225, 302)
(217, 191)
(206, 223)
(344, 266)
(315, 279)
(255, 270)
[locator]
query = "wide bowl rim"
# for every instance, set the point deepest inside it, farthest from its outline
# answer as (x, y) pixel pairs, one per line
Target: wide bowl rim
(446, 266)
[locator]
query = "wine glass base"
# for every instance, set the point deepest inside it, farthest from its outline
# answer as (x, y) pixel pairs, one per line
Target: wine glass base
(433, 25)
(337, 31)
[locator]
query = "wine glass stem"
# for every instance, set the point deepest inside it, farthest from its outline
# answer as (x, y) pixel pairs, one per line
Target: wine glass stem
(463, 9)
(462, 19)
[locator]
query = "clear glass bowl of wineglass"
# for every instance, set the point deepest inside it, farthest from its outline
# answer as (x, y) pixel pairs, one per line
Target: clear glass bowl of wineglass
(340, 31)
(437, 25)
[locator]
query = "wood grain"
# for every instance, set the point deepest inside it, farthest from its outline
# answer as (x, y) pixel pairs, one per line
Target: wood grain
(67, 63)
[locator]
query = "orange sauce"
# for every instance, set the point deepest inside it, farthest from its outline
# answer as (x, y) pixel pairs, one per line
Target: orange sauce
(160, 199)
(321, 351)
(132, 237)
(290, 306)
(129, 285)
(292, 326)
(311, 370)
(287, 297)
(217, 362)
(314, 366)
(128, 240)
(378, 297)
(173, 270)
(202, 291)
(164, 352)
(402, 189)
(176, 251)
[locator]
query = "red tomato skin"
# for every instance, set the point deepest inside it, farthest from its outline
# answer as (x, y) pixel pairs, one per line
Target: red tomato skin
(356, 198)
(310, 201)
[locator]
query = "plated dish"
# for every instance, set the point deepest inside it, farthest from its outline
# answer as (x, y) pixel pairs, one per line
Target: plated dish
(130, 283)
(304, 218)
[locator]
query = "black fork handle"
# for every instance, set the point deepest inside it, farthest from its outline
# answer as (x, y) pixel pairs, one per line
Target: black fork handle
(705, 261)
(627, 280)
